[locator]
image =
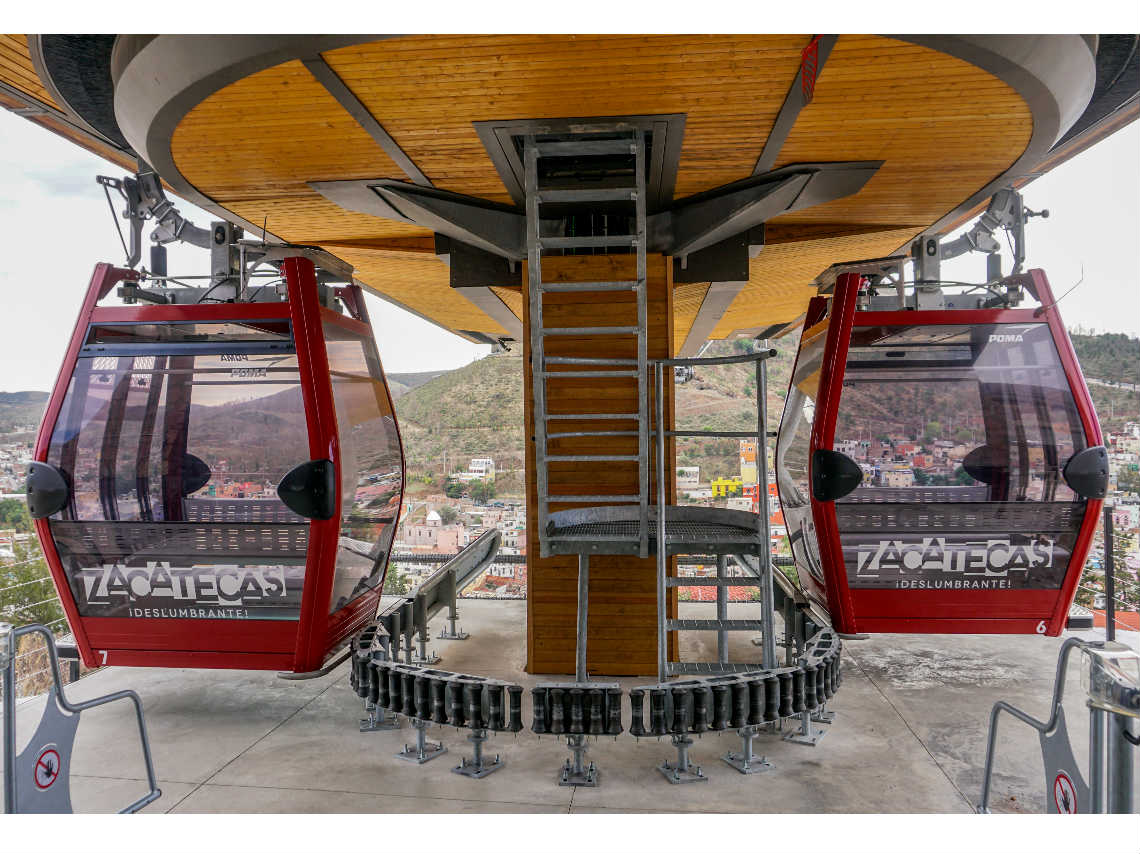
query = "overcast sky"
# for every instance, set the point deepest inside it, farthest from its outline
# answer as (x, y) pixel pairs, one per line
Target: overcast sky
(55, 226)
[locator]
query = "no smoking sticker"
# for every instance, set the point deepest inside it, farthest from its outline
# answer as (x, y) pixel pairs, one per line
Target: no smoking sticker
(1064, 794)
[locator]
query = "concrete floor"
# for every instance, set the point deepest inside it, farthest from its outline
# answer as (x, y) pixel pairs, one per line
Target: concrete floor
(909, 737)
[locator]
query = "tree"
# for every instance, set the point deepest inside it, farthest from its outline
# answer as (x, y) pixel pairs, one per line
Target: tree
(396, 583)
(453, 488)
(14, 514)
(962, 477)
(482, 491)
(27, 594)
(447, 514)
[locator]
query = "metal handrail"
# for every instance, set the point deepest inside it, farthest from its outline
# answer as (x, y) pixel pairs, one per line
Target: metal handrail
(758, 356)
(762, 522)
(73, 708)
(1043, 727)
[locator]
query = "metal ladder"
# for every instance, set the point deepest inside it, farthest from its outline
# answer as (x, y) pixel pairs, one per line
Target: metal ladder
(537, 196)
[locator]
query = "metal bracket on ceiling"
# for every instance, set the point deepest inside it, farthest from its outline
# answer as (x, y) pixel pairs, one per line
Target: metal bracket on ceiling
(688, 226)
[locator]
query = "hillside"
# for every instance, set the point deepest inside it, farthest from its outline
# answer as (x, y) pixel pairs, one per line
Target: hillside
(476, 410)
(21, 410)
(401, 384)
(1111, 358)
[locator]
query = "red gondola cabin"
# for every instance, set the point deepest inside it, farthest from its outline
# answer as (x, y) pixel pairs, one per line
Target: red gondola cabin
(939, 470)
(218, 484)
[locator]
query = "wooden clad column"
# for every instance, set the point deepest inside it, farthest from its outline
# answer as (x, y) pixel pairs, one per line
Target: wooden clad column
(622, 630)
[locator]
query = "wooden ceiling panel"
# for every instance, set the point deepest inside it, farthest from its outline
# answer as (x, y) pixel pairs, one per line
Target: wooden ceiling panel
(943, 127)
(422, 284)
(428, 90)
(780, 277)
(687, 301)
(16, 68)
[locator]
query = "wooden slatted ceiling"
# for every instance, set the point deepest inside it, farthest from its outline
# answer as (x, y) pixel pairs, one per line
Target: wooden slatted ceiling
(780, 277)
(16, 68)
(427, 91)
(421, 282)
(943, 126)
(687, 301)
(623, 590)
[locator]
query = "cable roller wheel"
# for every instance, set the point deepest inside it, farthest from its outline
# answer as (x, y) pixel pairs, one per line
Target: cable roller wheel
(613, 711)
(597, 712)
(455, 704)
(820, 681)
(473, 705)
(438, 701)
(809, 687)
(637, 713)
(557, 712)
(657, 711)
(785, 695)
(701, 696)
(395, 692)
(798, 691)
(721, 699)
(771, 698)
(408, 695)
(680, 722)
(739, 704)
(422, 694)
(495, 708)
(376, 683)
(380, 686)
(538, 698)
(514, 700)
(577, 725)
(755, 702)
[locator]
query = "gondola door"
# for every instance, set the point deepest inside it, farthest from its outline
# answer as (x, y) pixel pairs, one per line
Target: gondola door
(954, 467)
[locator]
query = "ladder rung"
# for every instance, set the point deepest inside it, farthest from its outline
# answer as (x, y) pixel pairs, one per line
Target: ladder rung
(589, 499)
(593, 416)
(678, 668)
(599, 194)
(590, 435)
(552, 287)
(714, 625)
(591, 458)
(588, 360)
(588, 241)
(590, 330)
(713, 434)
(584, 147)
(588, 374)
(707, 581)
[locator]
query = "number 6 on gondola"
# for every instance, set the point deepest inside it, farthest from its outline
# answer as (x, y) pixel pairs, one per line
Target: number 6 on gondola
(940, 470)
(218, 484)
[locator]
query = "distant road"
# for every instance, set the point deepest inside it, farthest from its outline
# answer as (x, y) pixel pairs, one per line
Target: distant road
(1111, 384)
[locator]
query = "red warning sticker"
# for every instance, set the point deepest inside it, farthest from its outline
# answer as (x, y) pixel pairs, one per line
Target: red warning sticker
(47, 768)
(1064, 794)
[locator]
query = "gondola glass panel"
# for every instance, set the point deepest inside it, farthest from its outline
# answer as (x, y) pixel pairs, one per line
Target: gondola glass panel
(371, 465)
(173, 511)
(961, 433)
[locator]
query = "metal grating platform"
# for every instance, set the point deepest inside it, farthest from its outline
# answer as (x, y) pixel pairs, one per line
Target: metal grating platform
(688, 530)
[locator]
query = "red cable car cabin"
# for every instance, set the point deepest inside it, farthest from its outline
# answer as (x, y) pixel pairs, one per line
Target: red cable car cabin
(218, 485)
(939, 471)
